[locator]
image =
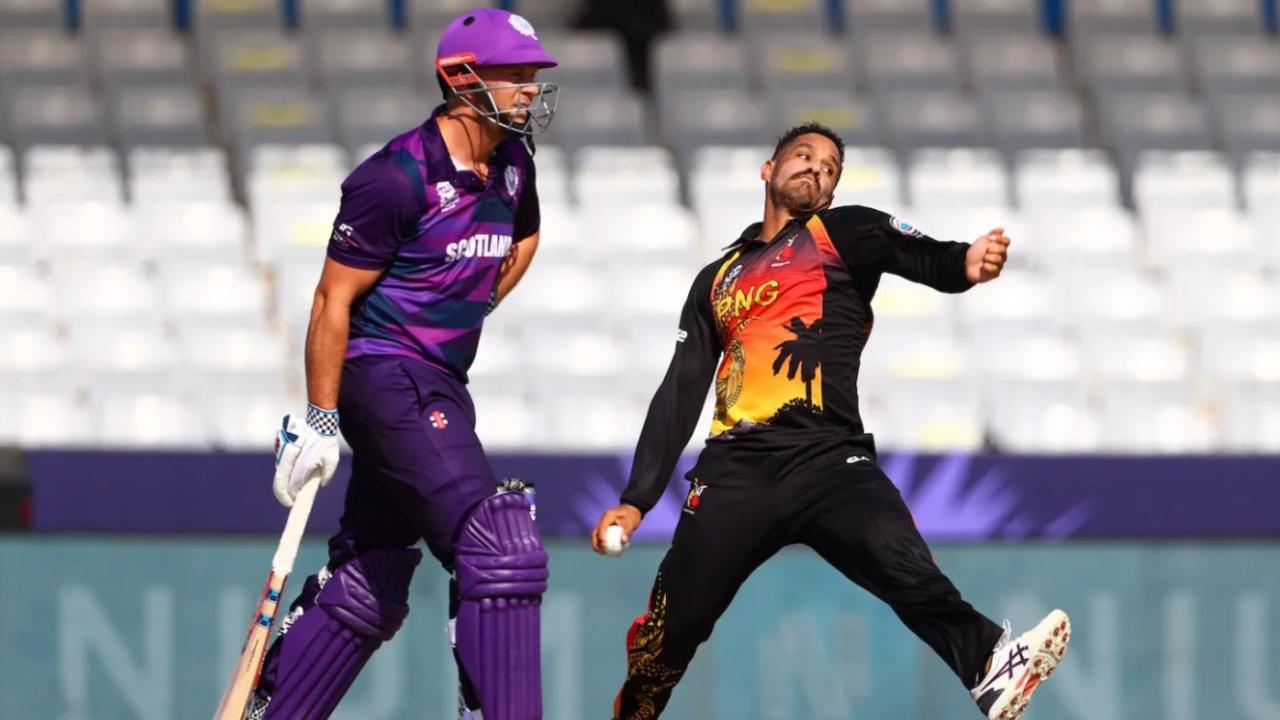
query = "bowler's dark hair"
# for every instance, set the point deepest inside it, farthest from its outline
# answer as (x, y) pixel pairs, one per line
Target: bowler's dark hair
(815, 128)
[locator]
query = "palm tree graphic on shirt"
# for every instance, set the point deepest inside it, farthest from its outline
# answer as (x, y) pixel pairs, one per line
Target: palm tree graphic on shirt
(804, 354)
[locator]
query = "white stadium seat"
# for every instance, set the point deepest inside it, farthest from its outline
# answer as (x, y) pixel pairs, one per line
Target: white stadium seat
(613, 176)
(54, 417)
(194, 231)
(1167, 180)
(960, 177)
(103, 291)
(131, 419)
(80, 231)
(196, 291)
(56, 174)
(1079, 179)
(168, 175)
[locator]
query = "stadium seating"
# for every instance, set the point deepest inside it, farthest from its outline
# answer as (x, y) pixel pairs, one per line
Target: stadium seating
(342, 15)
(864, 17)
(168, 196)
(994, 17)
(126, 14)
(1023, 61)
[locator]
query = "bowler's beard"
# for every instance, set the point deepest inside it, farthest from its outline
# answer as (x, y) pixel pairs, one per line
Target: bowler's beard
(797, 196)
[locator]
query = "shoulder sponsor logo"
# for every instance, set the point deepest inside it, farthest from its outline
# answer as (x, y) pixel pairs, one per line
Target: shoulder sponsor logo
(512, 178)
(522, 26)
(448, 195)
(904, 227)
(481, 245)
(682, 335)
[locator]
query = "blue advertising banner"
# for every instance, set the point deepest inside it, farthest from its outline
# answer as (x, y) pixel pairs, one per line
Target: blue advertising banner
(959, 497)
(114, 629)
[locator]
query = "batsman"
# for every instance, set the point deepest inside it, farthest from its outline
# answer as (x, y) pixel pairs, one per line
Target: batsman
(433, 231)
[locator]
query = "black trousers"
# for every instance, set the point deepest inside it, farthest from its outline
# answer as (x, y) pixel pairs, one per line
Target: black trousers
(747, 503)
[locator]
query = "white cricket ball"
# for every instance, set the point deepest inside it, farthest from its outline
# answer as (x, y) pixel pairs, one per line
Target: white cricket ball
(613, 544)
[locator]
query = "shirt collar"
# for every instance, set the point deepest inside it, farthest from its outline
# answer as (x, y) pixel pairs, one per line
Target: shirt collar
(752, 233)
(439, 164)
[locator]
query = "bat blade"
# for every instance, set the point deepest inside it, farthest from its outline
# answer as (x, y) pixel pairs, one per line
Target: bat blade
(244, 680)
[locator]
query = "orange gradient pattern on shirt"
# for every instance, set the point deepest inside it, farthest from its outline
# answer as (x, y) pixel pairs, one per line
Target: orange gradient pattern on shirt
(768, 310)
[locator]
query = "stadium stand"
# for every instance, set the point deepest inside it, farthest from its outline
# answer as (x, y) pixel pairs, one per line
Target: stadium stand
(168, 195)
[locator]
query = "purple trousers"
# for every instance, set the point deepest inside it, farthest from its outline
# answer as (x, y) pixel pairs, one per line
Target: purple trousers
(418, 467)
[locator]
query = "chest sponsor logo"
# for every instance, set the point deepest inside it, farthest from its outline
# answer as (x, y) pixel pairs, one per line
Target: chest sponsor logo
(482, 245)
(735, 302)
(448, 195)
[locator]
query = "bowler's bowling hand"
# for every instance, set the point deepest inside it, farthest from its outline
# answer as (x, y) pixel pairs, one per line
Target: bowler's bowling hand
(626, 516)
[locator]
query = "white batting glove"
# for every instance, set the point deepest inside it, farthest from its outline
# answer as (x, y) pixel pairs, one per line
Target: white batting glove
(305, 452)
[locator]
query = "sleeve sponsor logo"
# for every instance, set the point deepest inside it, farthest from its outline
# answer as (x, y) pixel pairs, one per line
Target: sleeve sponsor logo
(682, 335)
(905, 227)
(343, 236)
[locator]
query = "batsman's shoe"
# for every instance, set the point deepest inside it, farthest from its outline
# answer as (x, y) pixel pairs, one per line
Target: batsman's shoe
(1019, 665)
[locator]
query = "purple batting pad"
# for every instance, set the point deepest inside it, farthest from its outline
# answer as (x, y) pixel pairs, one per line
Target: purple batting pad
(501, 575)
(335, 626)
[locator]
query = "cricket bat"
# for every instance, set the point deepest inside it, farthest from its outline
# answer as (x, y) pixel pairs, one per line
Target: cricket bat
(245, 678)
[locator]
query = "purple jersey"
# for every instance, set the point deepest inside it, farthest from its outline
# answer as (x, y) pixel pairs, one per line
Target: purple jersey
(439, 234)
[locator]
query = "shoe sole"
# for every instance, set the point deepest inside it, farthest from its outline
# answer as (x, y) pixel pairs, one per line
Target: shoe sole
(1049, 652)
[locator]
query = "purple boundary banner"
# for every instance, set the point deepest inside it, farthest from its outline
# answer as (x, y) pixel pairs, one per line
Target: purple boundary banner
(957, 497)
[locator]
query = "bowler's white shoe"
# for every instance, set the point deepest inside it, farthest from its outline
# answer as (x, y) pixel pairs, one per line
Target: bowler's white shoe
(1019, 665)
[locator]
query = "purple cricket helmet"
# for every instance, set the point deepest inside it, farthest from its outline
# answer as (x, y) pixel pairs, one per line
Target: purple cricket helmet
(489, 36)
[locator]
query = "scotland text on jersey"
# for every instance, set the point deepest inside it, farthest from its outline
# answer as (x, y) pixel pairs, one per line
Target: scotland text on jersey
(479, 245)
